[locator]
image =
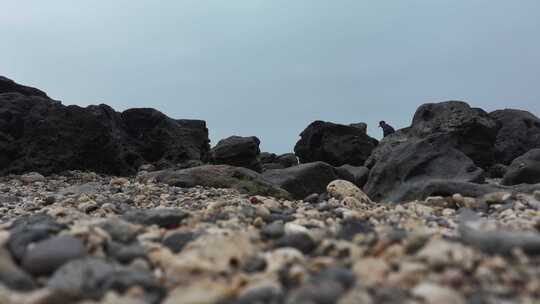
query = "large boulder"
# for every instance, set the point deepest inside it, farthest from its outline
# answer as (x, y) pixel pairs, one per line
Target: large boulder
(305, 179)
(219, 176)
(237, 151)
(9, 86)
(524, 169)
(334, 144)
(272, 161)
(358, 175)
(469, 130)
(519, 132)
(40, 134)
(414, 170)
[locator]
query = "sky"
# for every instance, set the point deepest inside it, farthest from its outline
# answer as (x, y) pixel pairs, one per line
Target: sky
(268, 68)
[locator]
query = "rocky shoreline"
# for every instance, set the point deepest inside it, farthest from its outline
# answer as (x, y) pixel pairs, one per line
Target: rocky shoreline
(92, 238)
(98, 206)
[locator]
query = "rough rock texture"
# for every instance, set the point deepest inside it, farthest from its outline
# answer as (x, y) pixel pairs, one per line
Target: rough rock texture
(357, 175)
(469, 130)
(241, 249)
(271, 161)
(334, 144)
(219, 176)
(305, 179)
(237, 151)
(519, 132)
(10, 86)
(409, 169)
(40, 134)
(524, 169)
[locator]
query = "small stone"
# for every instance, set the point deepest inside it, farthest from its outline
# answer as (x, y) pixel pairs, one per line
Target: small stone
(48, 255)
(274, 230)
(458, 199)
(262, 211)
(119, 182)
(435, 294)
(12, 276)
(49, 200)
(165, 217)
(300, 241)
(178, 240)
(436, 201)
(497, 197)
(537, 195)
(119, 230)
(448, 212)
(353, 226)
(371, 271)
(292, 228)
(341, 189)
(32, 177)
(258, 222)
(198, 293)
(89, 206)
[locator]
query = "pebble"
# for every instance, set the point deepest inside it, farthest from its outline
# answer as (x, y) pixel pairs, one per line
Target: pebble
(155, 243)
(435, 294)
(292, 228)
(537, 195)
(371, 271)
(32, 177)
(46, 256)
(178, 240)
(300, 241)
(274, 230)
(341, 189)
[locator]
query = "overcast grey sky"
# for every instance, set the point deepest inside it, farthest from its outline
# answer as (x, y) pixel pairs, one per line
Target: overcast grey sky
(270, 67)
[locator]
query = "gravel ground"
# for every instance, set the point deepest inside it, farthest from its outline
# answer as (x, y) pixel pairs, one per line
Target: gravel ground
(86, 238)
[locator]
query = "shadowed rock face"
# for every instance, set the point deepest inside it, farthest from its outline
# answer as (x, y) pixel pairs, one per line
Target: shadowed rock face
(9, 86)
(219, 176)
(238, 151)
(306, 179)
(469, 130)
(519, 132)
(412, 170)
(524, 169)
(40, 134)
(334, 144)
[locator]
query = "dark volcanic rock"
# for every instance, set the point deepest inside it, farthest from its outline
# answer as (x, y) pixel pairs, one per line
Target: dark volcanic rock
(497, 171)
(178, 240)
(305, 179)
(220, 176)
(163, 217)
(407, 172)
(334, 144)
(40, 134)
(9, 86)
(31, 229)
(524, 169)
(12, 276)
(125, 253)
(48, 255)
(238, 151)
(519, 132)
(91, 278)
(300, 241)
(469, 130)
(158, 138)
(271, 161)
(358, 175)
